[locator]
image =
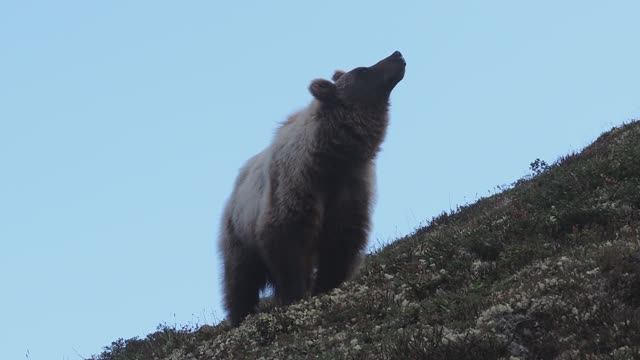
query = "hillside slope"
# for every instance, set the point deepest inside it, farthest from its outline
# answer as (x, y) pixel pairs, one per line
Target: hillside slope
(549, 268)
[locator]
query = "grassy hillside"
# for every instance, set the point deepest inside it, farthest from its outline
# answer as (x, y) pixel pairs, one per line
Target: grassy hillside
(549, 268)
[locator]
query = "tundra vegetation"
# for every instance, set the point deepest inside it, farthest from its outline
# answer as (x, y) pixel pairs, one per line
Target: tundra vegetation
(549, 267)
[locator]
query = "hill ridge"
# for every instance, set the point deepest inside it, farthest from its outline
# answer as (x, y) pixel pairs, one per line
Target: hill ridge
(548, 268)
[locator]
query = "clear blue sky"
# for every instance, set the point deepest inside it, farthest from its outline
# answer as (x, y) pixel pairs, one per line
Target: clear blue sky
(123, 124)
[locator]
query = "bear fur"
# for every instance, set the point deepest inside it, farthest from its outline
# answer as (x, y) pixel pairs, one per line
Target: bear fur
(298, 217)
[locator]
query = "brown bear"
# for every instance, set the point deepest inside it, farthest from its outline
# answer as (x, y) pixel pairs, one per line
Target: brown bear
(298, 217)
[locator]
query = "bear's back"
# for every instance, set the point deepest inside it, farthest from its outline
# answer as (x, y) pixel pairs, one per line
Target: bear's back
(248, 196)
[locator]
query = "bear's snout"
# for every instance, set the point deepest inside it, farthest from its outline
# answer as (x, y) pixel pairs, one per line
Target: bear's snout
(392, 69)
(397, 56)
(396, 59)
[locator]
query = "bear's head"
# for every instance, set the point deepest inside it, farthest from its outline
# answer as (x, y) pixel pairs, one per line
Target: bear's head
(362, 86)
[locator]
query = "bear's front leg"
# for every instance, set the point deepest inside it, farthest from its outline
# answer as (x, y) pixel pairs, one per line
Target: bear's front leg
(288, 253)
(339, 257)
(344, 234)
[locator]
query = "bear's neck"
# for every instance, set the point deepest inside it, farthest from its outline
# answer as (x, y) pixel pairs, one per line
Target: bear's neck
(349, 137)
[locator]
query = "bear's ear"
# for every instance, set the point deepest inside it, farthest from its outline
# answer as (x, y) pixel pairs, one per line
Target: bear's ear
(323, 90)
(337, 75)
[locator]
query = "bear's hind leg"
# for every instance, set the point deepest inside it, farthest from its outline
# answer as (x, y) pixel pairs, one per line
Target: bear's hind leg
(244, 276)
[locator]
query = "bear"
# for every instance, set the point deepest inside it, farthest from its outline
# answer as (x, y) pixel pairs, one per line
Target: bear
(299, 215)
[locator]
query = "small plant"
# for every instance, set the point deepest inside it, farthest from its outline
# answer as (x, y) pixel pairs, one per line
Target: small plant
(538, 166)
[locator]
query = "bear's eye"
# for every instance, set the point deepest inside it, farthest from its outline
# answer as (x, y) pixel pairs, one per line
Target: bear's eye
(360, 71)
